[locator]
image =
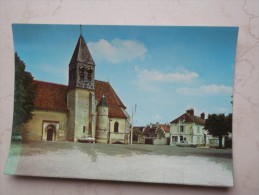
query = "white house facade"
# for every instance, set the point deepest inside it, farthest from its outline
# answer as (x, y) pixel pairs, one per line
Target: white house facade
(189, 128)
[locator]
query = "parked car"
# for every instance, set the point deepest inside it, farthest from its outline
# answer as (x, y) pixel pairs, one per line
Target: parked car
(186, 145)
(117, 142)
(16, 137)
(87, 139)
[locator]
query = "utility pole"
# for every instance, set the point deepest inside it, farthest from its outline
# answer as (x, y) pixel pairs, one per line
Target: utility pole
(134, 109)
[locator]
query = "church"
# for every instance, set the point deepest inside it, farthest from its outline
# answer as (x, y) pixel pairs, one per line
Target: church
(86, 108)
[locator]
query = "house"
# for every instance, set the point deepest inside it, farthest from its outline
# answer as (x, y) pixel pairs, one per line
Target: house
(188, 128)
(137, 134)
(157, 134)
(84, 108)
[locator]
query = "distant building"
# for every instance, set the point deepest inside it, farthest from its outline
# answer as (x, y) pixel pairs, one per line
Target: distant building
(156, 134)
(137, 134)
(188, 128)
(85, 108)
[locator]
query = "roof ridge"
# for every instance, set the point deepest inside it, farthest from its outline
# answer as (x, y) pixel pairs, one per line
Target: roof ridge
(116, 97)
(188, 116)
(95, 80)
(50, 83)
(53, 96)
(63, 84)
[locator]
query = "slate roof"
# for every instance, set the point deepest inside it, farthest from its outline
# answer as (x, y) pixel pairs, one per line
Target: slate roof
(189, 118)
(53, 97)
(102, 102)
(81, 53)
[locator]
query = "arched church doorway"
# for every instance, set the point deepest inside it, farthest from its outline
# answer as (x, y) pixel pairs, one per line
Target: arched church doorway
(50, 132)
(50, 135)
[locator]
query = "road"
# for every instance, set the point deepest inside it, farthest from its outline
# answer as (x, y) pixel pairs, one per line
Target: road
(135, 163)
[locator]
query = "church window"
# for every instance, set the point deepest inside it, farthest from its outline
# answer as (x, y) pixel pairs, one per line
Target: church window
(83, 129)
(82, 72)
(89, 73)
(116, 127)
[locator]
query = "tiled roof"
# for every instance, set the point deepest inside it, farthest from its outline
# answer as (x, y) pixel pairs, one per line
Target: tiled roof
(188, 118)
(53, 97)
(166, 128)
(115, 105)
(150, 130)
(141, 128)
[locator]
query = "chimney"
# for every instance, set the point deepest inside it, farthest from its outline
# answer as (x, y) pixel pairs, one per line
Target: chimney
(190, 111)
(203, 115)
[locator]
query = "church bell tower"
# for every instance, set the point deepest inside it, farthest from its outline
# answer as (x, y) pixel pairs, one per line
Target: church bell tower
(81, 96)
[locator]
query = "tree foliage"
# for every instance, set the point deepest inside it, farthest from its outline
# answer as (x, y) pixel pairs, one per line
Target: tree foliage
(219, 125)
(160, 133)
(24, 95)
(136, 134)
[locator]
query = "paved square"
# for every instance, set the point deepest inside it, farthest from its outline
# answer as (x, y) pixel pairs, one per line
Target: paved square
(136, 163)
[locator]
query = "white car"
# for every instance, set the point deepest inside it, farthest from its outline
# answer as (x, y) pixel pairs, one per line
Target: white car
(186, 145)
(16, 137)
(87, 139)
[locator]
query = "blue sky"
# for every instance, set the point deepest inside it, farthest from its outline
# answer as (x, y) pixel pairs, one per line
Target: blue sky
(164, 70)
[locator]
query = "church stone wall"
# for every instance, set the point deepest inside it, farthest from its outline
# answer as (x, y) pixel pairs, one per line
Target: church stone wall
(122, 124)
(34, 129)
(102, 125)
(79, 116)
(123, 132)
(71, 115)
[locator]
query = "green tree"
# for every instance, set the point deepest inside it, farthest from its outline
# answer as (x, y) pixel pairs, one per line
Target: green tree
(24, 95)
(219, 125)
(136, 134)
(160, 133)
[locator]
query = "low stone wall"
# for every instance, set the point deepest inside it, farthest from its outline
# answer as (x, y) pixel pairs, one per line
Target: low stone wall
(161, 141)
(118, 137)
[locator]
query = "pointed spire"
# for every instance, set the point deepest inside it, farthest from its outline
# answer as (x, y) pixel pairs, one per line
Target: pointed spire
(81, 52)
(103, 102)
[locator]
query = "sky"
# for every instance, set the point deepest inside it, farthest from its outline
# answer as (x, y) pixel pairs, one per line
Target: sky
(157, 71)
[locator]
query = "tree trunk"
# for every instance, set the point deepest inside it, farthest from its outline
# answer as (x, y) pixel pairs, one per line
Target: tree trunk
(220, 141)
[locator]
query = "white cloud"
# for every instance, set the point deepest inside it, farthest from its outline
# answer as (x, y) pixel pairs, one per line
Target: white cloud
(55, 73)
(145, 86)
(157, 117)
(223, 110)
(117, 50)
(205, 89)
(154, 75)
(50, 69)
